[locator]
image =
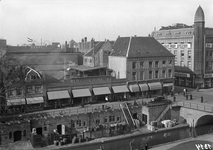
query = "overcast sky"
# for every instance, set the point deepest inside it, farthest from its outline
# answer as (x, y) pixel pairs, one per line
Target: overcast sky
(63, 20)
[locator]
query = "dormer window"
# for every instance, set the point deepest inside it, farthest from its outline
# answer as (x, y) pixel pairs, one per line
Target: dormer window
(34, 77)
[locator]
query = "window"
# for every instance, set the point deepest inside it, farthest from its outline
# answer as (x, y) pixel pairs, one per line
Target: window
(45, 128)
(182, 63)
(189, 64)
(38, 89)
(97, 121)
(170, 62)
(163, 73)
(156, 74)
(170, 73)
(84, 123)
(10, 92)
(90, 60)
(29, 89)
(33, 77)
(176, 63)
(150, 74)
(134, 76)
(111, 118)
(118, 118)
(141, 64)
(18, 91)
(78, 123)
(85, 60)
(156, 64)
(189, 54)
(182, 54)
(105, 120)
(150, 64)
(141, 75)
(134, 65)
(164, 63)
(175, 52)
(189, 45)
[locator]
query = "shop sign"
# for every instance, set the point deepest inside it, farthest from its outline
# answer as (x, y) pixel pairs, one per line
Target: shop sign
(208, 75)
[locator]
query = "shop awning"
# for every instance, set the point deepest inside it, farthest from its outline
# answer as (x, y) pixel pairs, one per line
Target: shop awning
(11, 102)
(120, 89)
(35, 100)
(155, 86)
(81, 93)
(58, 95)
(134, 88)
(144, 87)
(167, 84)
(101, 91)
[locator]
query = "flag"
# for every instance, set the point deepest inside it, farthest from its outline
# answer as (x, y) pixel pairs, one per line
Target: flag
(29, 39)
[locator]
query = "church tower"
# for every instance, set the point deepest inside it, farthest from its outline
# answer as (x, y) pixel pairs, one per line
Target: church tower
(199, 53)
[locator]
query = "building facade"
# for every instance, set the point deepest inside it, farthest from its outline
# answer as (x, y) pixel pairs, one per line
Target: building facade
(142, 59)
(192, 47)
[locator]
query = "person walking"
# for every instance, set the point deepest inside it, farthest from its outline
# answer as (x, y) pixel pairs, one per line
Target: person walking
(201, 99)
(184, 92)
(186, 96)
(174, 98)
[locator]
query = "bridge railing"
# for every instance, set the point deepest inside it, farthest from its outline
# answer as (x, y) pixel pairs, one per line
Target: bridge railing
(202, 107)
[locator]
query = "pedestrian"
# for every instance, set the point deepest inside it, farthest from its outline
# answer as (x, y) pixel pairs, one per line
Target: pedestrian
(186, 96)
(190, 96)
(184, 92)
(174, 98)
(201, 99)
(147, 146)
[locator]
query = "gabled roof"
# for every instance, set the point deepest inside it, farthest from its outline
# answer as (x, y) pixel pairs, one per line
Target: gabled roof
(139, 47)
(96, 49)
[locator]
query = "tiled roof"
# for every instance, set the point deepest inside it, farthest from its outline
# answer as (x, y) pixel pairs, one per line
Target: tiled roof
(183, 69)
(97, 47)
(120, 46)
(139, 47)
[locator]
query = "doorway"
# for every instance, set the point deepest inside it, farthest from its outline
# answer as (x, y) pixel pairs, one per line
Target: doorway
(61, 129)
(135, 116)
(144, 118)
(39, 131)
(17, 136)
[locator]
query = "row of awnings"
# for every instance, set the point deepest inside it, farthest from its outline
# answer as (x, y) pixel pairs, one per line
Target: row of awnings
(53, 95)
(21, 101)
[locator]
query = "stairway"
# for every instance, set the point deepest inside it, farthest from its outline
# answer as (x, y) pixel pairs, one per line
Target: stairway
(127, 115)
(163, 113)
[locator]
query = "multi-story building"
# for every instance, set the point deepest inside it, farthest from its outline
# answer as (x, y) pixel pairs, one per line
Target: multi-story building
(192, 47)
(143, 60)
(84, 46)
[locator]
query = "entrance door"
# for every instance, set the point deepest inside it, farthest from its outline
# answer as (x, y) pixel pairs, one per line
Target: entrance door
(144, 118)
(17, 136)
(61, 129)
(39, 131)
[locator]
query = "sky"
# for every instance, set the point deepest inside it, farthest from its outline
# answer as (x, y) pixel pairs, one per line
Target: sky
(47, 21)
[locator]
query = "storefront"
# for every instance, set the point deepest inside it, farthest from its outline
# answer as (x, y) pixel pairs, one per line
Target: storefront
(144, 89)
(120, 92)
(82, 96)
(35, 103)
(134, 91)
(155, 88)
(208, 78)
(16, 106)
(58, 99)
(102, 94)
(167, 87)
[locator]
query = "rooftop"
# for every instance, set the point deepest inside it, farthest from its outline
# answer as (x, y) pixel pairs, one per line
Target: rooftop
(199, 15)
(139, 47)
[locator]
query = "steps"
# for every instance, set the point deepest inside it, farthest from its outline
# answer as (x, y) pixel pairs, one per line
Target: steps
(127, 115)
(163, 113)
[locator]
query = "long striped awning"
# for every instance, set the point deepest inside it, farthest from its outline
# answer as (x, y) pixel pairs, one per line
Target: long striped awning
(155, 86)
(144, 87)
(58, 95)
(35, 100)
(134, 88)
(11, 102)
(81, 93)
(120, 89)
(101, 91)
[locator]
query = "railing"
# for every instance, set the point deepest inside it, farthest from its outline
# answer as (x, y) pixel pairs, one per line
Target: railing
(202, 107)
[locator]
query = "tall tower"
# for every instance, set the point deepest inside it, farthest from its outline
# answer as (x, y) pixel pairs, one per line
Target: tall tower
(199, 25)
